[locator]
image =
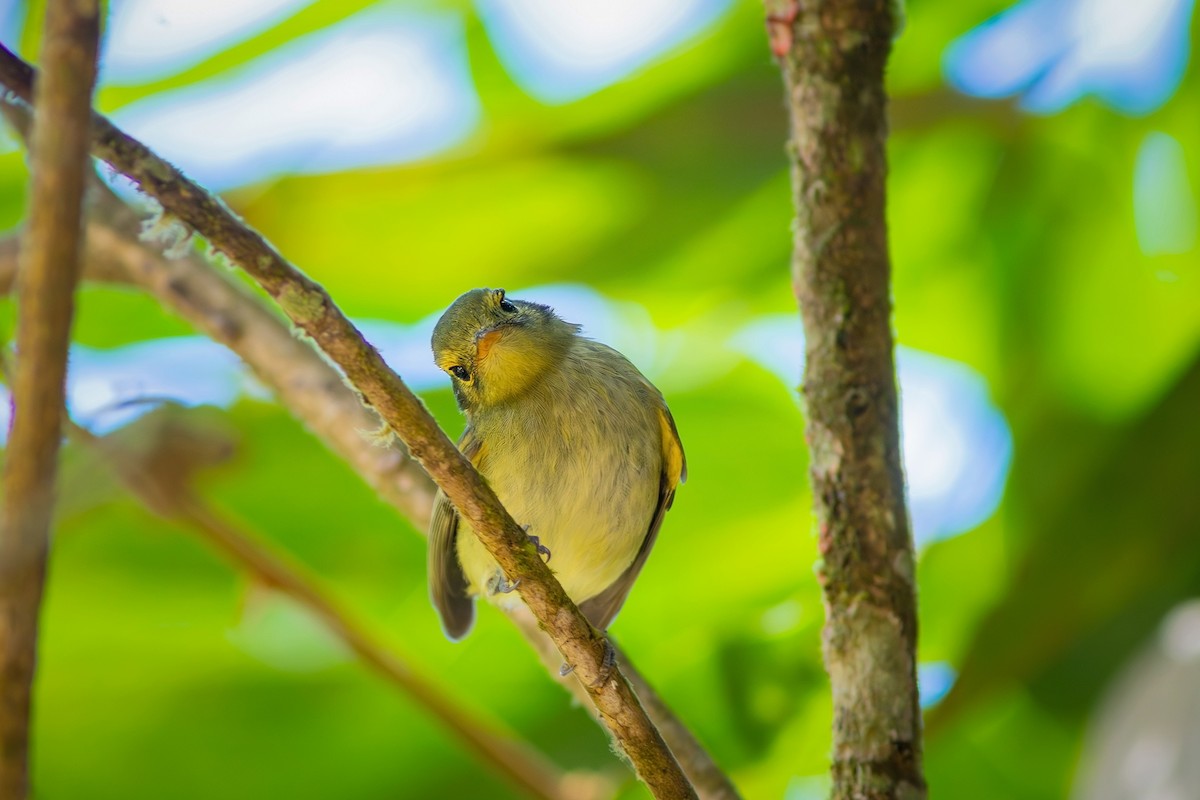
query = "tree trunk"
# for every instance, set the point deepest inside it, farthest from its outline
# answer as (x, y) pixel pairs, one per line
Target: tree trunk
(832, 53)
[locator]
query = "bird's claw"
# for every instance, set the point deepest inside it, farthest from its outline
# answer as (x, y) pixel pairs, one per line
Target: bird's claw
(607, 663)
(499, 584)
(542, 550)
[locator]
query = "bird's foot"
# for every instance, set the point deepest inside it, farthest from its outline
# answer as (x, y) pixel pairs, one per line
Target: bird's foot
(500, 584)
(542, 550)
(607, 663)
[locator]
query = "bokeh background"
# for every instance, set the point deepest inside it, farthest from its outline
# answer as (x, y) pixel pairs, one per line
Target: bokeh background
(624, 161)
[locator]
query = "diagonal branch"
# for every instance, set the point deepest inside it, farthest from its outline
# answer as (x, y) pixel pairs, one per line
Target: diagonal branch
(49, 271)
(308, 305)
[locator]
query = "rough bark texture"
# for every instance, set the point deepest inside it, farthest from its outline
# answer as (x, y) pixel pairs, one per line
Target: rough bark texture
(312, 310)
(833, 55)
(49, 270)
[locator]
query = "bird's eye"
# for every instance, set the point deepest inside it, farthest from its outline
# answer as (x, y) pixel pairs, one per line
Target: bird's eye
(461, 373)
(507, 307)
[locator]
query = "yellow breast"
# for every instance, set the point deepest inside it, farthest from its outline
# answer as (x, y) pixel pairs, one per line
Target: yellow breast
(579, 463)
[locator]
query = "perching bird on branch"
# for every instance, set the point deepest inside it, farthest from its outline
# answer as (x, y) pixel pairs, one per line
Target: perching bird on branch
(577, 444)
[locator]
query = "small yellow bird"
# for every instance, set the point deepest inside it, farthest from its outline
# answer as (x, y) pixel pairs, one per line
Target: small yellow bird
(577, 444)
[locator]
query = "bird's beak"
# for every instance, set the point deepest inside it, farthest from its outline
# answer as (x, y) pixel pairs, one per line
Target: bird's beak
(485, 340)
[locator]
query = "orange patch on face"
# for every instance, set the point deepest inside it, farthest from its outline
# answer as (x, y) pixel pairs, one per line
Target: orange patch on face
(485, 343)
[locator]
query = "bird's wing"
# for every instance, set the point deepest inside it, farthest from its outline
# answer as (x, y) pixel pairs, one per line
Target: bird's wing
(447, 583)
(601, 609)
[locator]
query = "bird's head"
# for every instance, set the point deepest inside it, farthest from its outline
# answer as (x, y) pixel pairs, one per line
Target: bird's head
(495, 348)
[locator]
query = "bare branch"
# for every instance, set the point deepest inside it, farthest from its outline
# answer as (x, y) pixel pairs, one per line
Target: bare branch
(833, 54)
(49, 270)
(163, 494)
(308, 305)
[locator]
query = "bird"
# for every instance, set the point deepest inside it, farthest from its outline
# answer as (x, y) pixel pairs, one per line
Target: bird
(578, 445)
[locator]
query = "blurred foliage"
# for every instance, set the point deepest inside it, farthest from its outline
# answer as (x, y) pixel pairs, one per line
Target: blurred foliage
(165, 674)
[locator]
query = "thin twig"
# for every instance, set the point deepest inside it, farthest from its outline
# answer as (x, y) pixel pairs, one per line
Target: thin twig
(156, 489)
(49, 271)
(312, 310)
